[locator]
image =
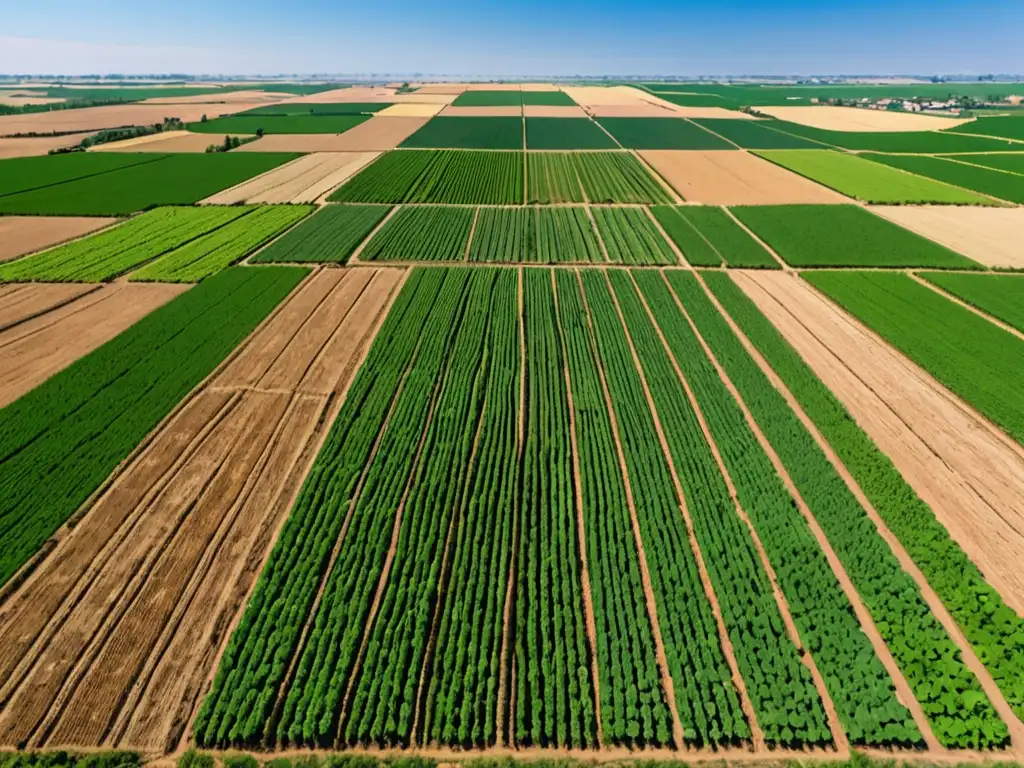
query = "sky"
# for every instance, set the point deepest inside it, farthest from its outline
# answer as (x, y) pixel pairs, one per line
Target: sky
(526, 38)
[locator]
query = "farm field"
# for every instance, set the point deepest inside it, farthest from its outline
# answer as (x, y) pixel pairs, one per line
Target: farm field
(1006, 161)
(548, 424)
(734, 178)
(166, 142)
(999, 127)
(250, 124)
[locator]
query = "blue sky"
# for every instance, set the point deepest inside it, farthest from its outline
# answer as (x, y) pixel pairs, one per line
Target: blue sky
(531, 37)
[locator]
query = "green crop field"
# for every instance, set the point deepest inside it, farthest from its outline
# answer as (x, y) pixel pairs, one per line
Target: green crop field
(755, 134)
(535, 235)
(1001, 296)
(552, 177)
(596, 177)
(972, 356)
(856, 177)
(630, 237)
(661, 133)
(114, 251)
(59, 442)
(489, 99)
(468, 133)
(998, 184)
(169, 180)
(902, 141)
(844, 236)
(566, 133)
(998, 127)
(1013, 163)
(221, 248)
(330, 235)
(272, 123)
(547, 99)
(422, 233)
(488, 178)
(23, 174)
(707, 236)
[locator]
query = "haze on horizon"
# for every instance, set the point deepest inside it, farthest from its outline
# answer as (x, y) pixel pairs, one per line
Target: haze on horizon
(530, 38)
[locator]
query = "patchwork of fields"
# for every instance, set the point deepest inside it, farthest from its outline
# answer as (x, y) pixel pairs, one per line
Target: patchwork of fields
(465, 420)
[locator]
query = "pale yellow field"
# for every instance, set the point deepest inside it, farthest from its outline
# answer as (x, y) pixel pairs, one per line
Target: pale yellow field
(411, 110)
(858, 119)
(170, 141)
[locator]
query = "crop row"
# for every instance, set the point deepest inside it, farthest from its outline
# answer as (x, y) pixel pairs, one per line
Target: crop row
(221, 248)
(910, 142)
(422, 233)
(992, 627)
(707, 236)
(597, 177)
(855, 679)
(950, 696)
(23, 174)
(630, 237)
(59, 442)
(988, 181)
(997, 295)
(455, 177)
(782, 692)
(330, 235)
(115, 251)
(535, 235)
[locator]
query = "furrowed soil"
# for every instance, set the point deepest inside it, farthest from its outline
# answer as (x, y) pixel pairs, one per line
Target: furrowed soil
(990, 236)
(858, 119)
(375, 135)
(20, 235)
(301, 181)
(54, 333)
(112, 640)
(735, 178)
(971, 478)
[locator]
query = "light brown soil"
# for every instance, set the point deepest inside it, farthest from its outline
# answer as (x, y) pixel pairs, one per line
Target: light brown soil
(494, 87)
(20, 235)
(482, 112)
(860, 119)
(714, 112)
(637, 109)
(38, 348)
(973, 481)
(23, 301)
(735, 178)
(443, 88)
(9, 99)
(300, 181)
(224, 97)
(171, 141)
(411, 110)
(590, 96)
(375, 135)
(538, 110)
(990, 236)
(118, 116)
(36, 147)
(114, 636)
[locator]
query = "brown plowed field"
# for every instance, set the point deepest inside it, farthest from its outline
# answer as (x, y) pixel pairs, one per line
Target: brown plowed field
(972, 479)
(37, 348)
(482, 112)
(301, 181)
(411, 110)
(35, 147)
(375, 135)
(539, 110)
(112, 639)
(735, 178)
(117, 116)
(639, 109)
(23, 301)
(990, 236)
(26, 234)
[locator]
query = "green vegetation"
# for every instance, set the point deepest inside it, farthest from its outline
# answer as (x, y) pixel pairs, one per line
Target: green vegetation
(292, 109)
(111, 135)
(949, 694)
(661, 133)
(221, 248)
(535, 235)
(566, 133)
(62, 759)
(552, 177)
(330, 235)
(898, 141)
(601, 177)
(630, 237)
(1013, 163)
(973, 357)
(422, 233)
(998, 184)
(856, 177)
(707, 236)
(998, 295)
(844, 236)
(547, 99)
(755, 134)
(114, 251)
(60, 441)
(23, 174)
(468, 133)
(992, 627)
(1000, 127)
(489, 178)
(181, 179)
(489, 99)
(271, 124)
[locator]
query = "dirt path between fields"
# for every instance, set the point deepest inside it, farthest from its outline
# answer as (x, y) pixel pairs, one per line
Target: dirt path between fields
(645, 574)
(757, 735)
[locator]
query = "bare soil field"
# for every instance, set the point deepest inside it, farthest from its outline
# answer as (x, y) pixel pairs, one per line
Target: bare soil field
(639, 109)
(597, 96)
(713, 112)
(98, 118)
(972, 479)
(453, 89)
(411, 110)
(858, 119)
(481, 111)
(22, 301)
(34, 147)
(16, 99)
(300, 181)
(494, 87)
(375, 135)
(20, 235)
(113, 638)
(345, 95)
(991, 236)
(35, 349)
(226, 97)
(535, 87)
(538, 110)
(171, 141)
(734, 178)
